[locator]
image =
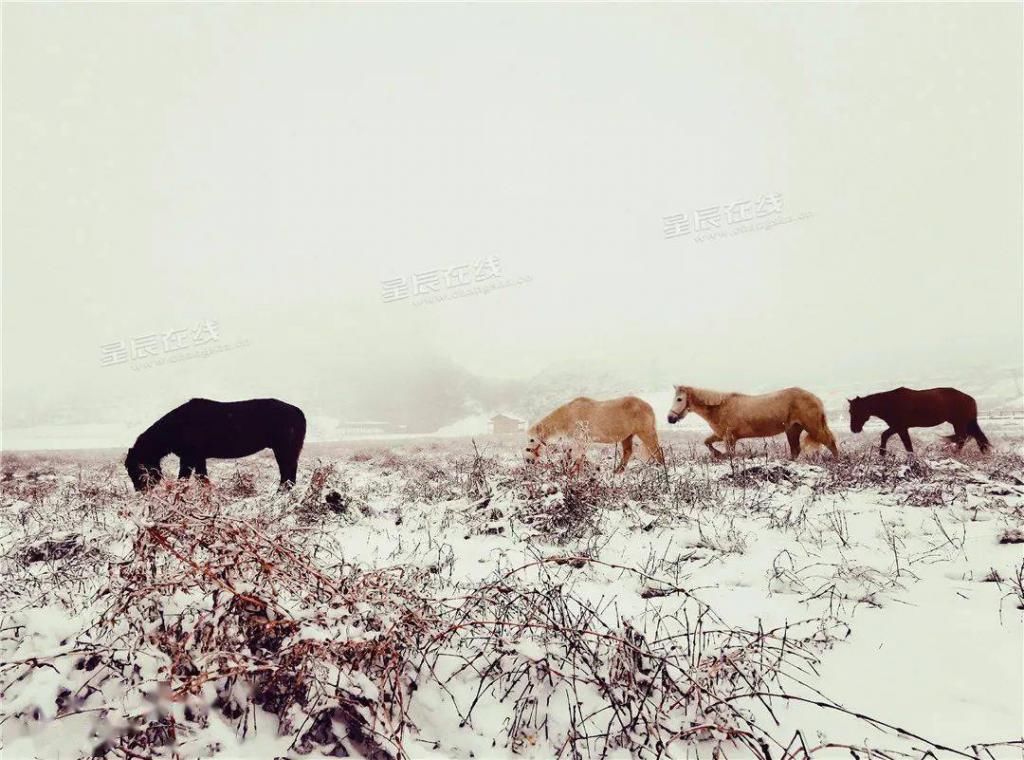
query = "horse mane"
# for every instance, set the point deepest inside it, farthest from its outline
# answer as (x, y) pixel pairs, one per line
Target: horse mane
(150, 446)
(882, 394)
(706, 397)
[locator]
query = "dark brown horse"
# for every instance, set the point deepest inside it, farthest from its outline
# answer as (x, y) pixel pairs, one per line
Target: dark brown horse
(201, 429)
(905, 408)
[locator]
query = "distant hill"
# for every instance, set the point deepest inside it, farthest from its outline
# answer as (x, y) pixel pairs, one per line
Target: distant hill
(436, 394)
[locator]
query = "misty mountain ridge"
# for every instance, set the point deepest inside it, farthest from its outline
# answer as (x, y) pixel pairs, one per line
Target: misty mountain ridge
(436, 393)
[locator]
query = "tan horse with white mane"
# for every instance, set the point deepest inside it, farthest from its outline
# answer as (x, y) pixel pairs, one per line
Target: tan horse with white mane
(585, 420)
(733, 416)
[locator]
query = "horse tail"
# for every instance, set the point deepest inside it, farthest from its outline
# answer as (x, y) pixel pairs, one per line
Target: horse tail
(974, 430)
(300, 431)
(831, 439)
(819, 432)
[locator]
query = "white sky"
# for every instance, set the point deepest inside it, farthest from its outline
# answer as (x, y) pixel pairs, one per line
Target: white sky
(266, 166)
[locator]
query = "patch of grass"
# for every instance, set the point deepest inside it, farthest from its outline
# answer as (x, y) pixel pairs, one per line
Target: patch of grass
(1012, 536)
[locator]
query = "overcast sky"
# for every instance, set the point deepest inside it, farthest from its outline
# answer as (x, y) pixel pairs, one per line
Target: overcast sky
(268, 167)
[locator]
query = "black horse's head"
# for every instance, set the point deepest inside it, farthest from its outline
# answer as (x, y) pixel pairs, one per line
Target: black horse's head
(858, 414)
(143, 472)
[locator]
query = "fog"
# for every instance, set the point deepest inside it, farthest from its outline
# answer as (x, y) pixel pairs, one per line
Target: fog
(247, 180)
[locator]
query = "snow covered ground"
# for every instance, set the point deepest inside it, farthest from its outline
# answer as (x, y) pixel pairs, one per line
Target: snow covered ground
(439, 599)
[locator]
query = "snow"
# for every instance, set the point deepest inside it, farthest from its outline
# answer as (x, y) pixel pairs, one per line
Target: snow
(477, 424)
(73, 436)
(892, 566)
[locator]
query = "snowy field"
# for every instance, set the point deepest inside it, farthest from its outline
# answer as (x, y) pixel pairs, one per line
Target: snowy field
(438, 599)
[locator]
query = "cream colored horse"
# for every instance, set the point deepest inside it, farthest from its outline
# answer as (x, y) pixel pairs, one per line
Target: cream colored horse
(733, 416)
(585, 420)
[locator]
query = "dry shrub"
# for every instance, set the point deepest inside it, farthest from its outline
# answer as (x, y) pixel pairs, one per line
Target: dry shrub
(341, 501)
(756, 475)
(632, 687)
(31, 490)
(693, 487)
(242, 484)
(215, 613)
(1017, 587)
(218, 615)
(430, 482)
(477, 473)
(239, 617)
(212, 612)
(564, 501)
(646, 482)
(363, 455)
(390, 461)
(936, 493)
(561, 503)
(52, 549)
(1001, 464)
(1012, 536)
(865, 468)
(993, 576)
(311, 505)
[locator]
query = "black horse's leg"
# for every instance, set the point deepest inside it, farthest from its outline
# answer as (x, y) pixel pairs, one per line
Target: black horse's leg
(889, 432)
(201, 470)
(288, 463)
(186, 468)
(905, 437)
(974, 430)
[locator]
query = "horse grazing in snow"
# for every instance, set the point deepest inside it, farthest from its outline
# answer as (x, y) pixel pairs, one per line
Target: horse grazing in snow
(904, 408)
(201, 429)
(584, 420)
(733, 416)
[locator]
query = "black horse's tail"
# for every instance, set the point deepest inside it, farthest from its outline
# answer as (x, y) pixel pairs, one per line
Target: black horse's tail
(974, 430)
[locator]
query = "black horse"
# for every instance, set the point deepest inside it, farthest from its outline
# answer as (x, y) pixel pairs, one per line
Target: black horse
(905, 408)
(200, 429)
